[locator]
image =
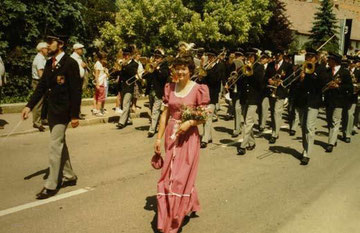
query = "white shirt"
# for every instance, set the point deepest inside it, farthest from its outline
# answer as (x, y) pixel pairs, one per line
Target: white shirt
(140, 70)
(103, 74)
(280, 63)
(38, 64)
(58, 57)
(336, 69)
(79, 60)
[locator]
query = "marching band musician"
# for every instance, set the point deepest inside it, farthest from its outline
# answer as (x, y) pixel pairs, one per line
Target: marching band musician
(265, 93)
(356, 73)
(349, 112)
(338, 92)
(278, 70)
(213, 81)
(128, 71)
(234, 91)
(251, 85)
(155, 87)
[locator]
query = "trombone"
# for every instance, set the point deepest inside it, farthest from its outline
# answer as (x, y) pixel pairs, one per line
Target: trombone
(307, 68)
(336, 80)
(149, 69)
(202, 71)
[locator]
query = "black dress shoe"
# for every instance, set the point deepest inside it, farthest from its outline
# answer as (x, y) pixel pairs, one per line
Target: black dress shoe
(203, 145)
(292, 133)
(120, 126)
(40, 128)
(46, 193)
(272, 140)
(129, 123)
(235, 135)
(347, 140)
(67, 183)
(329, 148)
(210, 141)
(261, 130)
(150, 134)
(304, 160)
(251, 147)
(241, 151)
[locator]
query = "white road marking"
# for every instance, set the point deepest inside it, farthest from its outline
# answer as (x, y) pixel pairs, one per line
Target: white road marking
(42, 202)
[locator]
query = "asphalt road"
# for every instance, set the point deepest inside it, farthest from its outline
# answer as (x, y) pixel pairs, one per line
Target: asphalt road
(264, 191)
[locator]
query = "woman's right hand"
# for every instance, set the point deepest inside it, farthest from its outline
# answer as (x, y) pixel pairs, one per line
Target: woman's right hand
(157, 146)
(97, 87)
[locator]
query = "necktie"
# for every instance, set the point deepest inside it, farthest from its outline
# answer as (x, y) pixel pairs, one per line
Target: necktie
(53, 62)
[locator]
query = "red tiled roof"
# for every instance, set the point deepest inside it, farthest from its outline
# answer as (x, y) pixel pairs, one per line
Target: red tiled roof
(301, 15)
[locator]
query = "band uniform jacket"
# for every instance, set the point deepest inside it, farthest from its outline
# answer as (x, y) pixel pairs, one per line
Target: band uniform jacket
(340, 97)
(284, 70)
(251, 86)
(63, 87)
(213, 80)
(265, 89)
(313, 84)
(128, 71)
(356, 74)
(156, 81)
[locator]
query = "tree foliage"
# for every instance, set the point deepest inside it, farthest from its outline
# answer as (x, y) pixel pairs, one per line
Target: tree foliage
(151, 23)
(277, 33)
(324, 27)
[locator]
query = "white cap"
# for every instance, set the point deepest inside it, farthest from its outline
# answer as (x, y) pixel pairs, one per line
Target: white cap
(41, 46)
(78, 46)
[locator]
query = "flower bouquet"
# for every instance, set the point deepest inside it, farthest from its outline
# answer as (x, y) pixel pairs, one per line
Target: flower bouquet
(199, 113)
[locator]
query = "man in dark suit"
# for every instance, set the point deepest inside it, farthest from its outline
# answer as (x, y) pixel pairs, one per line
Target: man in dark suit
(213, 81)
(278, 70)
(338, 91)
(251, 87)
(155, 87)
(127, 75)
(61, 80)
(356, 73)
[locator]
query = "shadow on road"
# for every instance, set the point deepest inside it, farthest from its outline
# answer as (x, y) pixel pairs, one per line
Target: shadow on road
(223, 129)
(320, 143)
(143, 128)
(38, 173)
(286, 150)
(3, 122)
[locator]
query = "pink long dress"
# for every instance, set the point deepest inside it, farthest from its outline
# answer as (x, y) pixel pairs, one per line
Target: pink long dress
(177, 195)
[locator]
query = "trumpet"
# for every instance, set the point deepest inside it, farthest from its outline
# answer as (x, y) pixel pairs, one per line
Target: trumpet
(356, 84)
(336, 80)
(277, 82)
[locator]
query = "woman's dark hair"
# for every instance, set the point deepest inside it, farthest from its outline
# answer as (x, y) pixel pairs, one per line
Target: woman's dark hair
(186, 61)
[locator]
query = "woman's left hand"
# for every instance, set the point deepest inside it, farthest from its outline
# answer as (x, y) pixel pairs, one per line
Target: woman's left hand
(183, 128)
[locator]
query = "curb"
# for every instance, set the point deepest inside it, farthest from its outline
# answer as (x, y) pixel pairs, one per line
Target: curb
(86, 122)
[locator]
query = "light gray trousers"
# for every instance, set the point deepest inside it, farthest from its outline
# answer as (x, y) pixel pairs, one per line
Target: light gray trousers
(249, 114)
(349, 120)
(312, 115)
(155, 105)
(238, 118)
(207, 134)
(334, 124)
(265, 105)
(59, 160)
(127, 102)
(276, 118)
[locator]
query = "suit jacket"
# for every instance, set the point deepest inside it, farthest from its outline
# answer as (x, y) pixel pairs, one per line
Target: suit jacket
(128, 71)
(340, 97)
(284, 70)
(156, 81)
(313, 84)
(213, 80)
(251, 86)
(356, 73)
(63, 86)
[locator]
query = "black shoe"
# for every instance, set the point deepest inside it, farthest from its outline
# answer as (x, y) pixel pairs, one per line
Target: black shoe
(40, 128)
(235, 135)
(46, 193)
(347, 140)
(215, 119)
(261, 130)
(329, 148)
(67, 183)
(251, 147)
(272, 140)
(44, 122)
(129, 123)
(241, 151)
(304, 160)
(203, 145)
(292, 133)
(150, 134)
(210, 141)
(120, 126)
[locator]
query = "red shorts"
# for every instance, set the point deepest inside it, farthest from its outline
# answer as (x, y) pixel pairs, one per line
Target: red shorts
(100, 94)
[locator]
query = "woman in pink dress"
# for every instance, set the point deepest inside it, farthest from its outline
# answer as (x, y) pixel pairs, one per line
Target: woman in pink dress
(177, 195)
